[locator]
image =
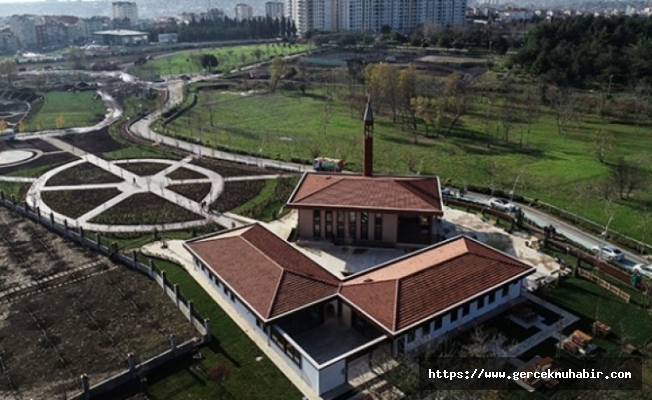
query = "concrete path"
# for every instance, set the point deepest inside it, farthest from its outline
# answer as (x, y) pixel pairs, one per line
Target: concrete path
(547, 331)
(141, 128)
(252, 178)
(176, 253)
(16, 179)
(132, 184)
(114, 112)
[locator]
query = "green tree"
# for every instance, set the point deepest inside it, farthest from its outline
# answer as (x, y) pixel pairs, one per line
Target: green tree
(8, 71)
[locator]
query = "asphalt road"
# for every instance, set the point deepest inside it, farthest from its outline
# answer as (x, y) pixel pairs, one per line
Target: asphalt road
(564, 228)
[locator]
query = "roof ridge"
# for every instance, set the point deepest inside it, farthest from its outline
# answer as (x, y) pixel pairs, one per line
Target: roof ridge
(408, 184)
(331, 184)
(275, 296)
(287, 245)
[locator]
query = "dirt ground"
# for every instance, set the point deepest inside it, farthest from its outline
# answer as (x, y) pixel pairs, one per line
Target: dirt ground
(95, 142)
(66, 311)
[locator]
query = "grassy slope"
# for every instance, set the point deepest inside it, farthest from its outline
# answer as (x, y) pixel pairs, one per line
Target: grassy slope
(228, 57)
(552, 167)
(77, 109)
(249, 379)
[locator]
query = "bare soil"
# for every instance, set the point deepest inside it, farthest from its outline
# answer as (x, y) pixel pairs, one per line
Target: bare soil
(226, 168)
(37, 144)
(185, 173)
(95, 142)
(193, 191)
(82, 174)
(144, 208)
(87, 322)
(52, 160)
(75, 203)
(143, 168)
(238, 193)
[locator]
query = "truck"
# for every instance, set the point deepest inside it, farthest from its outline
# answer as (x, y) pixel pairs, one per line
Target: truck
(328, 164)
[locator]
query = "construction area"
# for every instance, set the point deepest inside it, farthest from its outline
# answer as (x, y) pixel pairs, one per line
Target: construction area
(67, 311)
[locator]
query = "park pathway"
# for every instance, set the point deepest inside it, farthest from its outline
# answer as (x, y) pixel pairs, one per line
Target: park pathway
(132, 184)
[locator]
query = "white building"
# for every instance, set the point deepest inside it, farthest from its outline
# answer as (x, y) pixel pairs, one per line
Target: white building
(327, 328)
(371, 15)
(295, 10)
(274, 9)
(126, 10)
(243, 11)
(23, 28)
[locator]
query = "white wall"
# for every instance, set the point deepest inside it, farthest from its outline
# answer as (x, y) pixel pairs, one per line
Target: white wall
(332, 376)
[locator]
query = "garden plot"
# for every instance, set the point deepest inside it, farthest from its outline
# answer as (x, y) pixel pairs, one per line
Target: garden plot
(85, 324)
(144, 209)
(95, 142)
(75, 203)
(81, 174)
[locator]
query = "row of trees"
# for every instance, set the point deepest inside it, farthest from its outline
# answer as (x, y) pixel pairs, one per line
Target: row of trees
(589, 51)
(226, 28)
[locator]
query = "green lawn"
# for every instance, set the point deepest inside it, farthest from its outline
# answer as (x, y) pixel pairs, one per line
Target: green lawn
(230, 347)
(228, 57)
(560, 169)
(630, 322)
(76, 109)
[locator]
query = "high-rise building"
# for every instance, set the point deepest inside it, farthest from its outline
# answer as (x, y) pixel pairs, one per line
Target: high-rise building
(243, 11)
(274, 9)
(23, 27)
(371, 15)
(126, 10)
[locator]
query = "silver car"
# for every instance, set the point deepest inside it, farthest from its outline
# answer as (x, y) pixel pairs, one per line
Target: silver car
(610, 253)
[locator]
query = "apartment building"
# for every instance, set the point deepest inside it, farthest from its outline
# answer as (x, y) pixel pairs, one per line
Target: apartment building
(126, 10)
(371, 15)
(274, 9)
(243, 11)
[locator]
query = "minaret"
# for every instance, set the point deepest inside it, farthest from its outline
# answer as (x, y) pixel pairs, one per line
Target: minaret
(368, 163)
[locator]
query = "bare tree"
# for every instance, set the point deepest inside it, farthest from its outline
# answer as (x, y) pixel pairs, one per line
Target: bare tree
(563, 106)
(604, 142)
(628, 177)
(277, 69)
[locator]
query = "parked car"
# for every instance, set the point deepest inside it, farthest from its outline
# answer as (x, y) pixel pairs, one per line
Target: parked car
(502, 204)
(610, 253)
(446, 191)
(643, 269)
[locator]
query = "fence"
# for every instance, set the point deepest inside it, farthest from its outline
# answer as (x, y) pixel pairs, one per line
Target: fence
(184, 305)
(604, 284)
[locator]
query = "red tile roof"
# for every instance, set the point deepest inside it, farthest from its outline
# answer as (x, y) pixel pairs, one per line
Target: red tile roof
(266, 272)
(389, 193)
(409, 290)
(275, 278)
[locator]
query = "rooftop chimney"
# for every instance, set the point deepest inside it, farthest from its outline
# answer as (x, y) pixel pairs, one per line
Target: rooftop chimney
(368, 163)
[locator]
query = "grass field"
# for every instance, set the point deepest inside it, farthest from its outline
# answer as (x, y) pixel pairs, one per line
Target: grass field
(229, 58)
(76, 109)
(560, 169)
(230, 348)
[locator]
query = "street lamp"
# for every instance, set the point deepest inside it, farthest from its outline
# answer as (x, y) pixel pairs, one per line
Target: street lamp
(604, 235)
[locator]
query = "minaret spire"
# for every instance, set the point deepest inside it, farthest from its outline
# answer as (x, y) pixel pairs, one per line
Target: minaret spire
(368, 162)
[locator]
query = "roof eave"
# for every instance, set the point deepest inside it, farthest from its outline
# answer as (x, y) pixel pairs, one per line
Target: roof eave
(348, 207)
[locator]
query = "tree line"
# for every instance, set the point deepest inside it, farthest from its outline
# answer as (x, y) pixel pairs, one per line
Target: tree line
(212, 29)
(589, 51)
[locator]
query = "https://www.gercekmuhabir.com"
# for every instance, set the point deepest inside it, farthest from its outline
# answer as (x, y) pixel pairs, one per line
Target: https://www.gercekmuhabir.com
(481, 373)
(608, 373)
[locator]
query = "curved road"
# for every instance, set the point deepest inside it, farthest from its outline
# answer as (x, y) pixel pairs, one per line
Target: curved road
(175, 88)
(564, 228)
